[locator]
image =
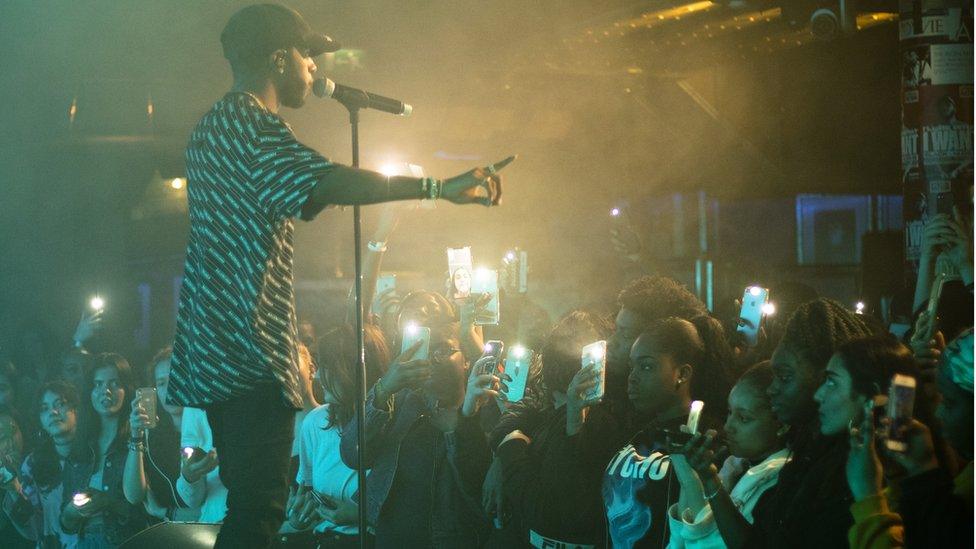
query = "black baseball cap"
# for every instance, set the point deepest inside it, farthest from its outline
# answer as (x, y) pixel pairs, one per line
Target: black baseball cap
(263, 28)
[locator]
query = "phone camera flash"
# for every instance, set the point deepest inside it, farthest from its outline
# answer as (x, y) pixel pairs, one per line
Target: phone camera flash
(615, 212)
(768, 309)
(97, 303)
(755, 291)
(518, 351)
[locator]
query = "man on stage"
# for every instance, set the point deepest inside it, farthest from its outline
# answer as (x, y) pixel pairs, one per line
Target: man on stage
(235, 350)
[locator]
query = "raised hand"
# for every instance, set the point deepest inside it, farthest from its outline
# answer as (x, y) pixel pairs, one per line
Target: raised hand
(864, 469)
(481, 387)
(88, 326)
(196, 467)
(139, 420)
(920, 455)
(701, 452)
(927, 348)
(478, 186)
(404, 373)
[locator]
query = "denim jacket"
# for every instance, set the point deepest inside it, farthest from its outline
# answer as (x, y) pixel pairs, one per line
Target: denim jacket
(467, 457)
(120, 520)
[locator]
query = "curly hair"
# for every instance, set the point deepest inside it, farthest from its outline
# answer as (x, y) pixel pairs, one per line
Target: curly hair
(657, 297)
(561, 349)
(817, 328)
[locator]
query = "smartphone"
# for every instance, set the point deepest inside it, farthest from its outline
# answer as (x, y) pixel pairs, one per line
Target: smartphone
(933, 307)
(486, 282)
(677, 438)
(754, 300)
(147, 398)
(901, 402)
(694, 416)
(192, 453)
(494, 349)
(323, 501)
(385, 284)
(80, 499)
(515, 276)
(412, 334)
(595, 355)
(517, 364)
(460, 270)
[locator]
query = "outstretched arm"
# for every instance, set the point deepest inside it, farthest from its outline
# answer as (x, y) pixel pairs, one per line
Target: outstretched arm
(347, 186)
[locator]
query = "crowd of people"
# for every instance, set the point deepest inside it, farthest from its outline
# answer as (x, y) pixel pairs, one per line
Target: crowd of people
(791, 447)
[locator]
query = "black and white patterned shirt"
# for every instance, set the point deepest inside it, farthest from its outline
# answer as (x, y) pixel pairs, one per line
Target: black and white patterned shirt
(248, 178)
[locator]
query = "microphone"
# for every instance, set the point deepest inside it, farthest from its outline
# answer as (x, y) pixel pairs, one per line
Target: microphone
(360, 99)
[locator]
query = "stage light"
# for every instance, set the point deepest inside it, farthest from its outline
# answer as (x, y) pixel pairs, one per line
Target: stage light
(390, 169)
(177, 183)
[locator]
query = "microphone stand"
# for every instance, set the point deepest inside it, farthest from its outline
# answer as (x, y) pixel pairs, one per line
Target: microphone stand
(353, 104)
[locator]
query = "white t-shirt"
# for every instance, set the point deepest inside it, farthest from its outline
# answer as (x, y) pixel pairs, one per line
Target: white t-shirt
(195, 431)
(321, 467)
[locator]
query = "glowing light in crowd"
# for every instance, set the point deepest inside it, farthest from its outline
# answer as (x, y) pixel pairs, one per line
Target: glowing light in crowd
(482, 274)
(518, 351)
(177, 183)
(615, 212)
(597, 353)
(97, 303)
(859, 308)
(755, 291)
(412, 329)
(768, 309)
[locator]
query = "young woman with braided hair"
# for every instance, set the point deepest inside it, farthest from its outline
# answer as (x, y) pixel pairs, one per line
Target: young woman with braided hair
(809, 506)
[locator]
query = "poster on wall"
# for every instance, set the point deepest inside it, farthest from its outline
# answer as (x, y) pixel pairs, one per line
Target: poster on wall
(937, 118)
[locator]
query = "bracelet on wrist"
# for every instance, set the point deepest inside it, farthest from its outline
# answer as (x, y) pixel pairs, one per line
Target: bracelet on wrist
(430, 188)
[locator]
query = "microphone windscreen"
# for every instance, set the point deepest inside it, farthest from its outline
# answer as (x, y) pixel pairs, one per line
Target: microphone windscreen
(321, 87)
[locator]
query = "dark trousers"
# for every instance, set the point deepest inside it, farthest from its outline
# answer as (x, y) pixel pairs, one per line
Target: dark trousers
(253, 438)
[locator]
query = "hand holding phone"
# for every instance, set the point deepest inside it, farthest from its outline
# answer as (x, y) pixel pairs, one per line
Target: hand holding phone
(901, 403)
(485, 283)
(516, 373)
(594, 358)
(90, 502)
(197, 463)
(488, 362)
(755, 302)
(146, 400)
(411, 368)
